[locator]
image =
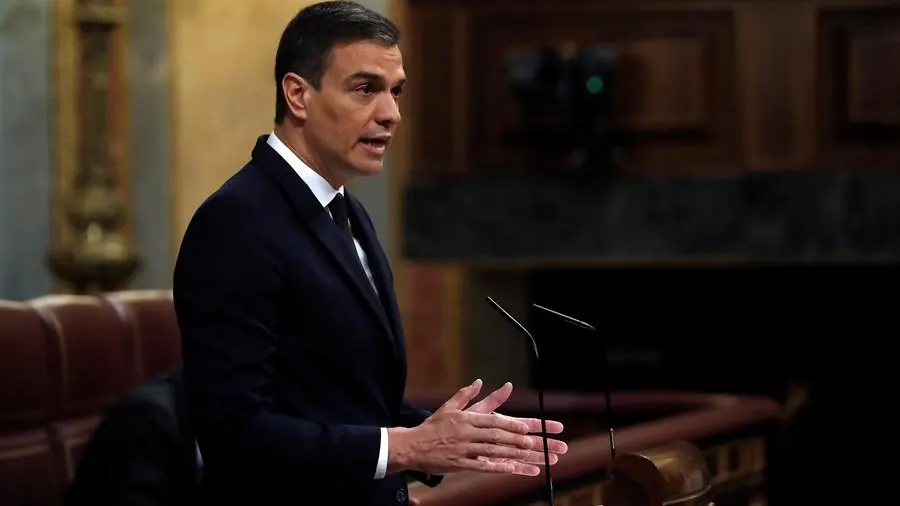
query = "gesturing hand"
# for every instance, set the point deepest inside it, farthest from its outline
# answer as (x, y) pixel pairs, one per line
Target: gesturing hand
(457, 439)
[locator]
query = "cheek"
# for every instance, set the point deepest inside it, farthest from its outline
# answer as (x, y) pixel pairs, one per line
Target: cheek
(344, 126)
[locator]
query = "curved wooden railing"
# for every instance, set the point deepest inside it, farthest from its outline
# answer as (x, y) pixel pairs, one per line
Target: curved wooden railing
(729, 430)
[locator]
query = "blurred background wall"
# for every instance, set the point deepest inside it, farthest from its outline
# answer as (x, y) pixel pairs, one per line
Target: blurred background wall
(656, 169)
(714, 185)
(710, 145)
(177, 77)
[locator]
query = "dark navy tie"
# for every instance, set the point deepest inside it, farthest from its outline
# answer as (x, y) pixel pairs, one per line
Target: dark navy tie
(338, 208)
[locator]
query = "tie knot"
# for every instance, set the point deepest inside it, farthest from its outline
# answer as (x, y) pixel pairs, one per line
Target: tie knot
(338, 208)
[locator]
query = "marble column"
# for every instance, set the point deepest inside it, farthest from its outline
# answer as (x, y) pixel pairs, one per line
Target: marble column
(151, 132)
(25, 147)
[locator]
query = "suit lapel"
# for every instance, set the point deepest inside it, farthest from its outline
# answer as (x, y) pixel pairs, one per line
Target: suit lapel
(323, 227)
(378, 263)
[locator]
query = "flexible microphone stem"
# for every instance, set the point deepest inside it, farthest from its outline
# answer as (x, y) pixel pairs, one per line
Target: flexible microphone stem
(606, 394)
(540, 390)
(549, 480)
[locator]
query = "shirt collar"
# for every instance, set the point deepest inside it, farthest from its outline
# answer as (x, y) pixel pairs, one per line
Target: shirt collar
(321, 188)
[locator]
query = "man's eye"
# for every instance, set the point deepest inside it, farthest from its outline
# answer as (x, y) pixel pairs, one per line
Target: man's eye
(366, 89)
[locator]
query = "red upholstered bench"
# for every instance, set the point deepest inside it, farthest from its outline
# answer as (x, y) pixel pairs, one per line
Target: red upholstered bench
(63, 360)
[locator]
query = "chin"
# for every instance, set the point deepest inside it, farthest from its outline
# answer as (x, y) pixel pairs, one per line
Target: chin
(369, 167)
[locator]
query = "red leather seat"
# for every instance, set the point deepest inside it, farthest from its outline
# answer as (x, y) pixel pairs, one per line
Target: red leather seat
(151, 316)
(63, 360)
(28, 472)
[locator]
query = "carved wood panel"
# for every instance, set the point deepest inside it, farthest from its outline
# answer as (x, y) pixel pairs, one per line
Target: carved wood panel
(675, 92)
(674, 97)
(859, 87)
(725, 86)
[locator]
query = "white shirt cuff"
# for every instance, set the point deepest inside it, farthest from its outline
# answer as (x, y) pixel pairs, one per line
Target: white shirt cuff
(381, 469)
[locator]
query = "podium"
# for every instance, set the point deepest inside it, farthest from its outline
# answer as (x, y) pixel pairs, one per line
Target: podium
(674, 474)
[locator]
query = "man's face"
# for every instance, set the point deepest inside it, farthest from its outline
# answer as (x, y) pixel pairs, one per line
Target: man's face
(351, 119)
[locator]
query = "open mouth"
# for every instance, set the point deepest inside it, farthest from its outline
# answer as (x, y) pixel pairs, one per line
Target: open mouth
(375, 143)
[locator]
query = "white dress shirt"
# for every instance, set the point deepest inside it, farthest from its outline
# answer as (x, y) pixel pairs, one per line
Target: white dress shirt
(324, 193)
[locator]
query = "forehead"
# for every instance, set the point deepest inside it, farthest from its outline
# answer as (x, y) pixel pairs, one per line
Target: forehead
(366, 56)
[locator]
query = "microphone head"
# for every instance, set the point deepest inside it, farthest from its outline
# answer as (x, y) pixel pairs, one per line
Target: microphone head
(566, 318)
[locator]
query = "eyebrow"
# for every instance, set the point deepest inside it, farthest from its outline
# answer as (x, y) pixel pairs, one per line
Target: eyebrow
(371, 76)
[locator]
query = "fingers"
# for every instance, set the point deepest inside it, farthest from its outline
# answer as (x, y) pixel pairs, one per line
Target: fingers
(491, 451)
(534, 424)
(524, 469)
(502, 437)
(507, 430)
(489, 421)
(553, 445)
(502, 466)
(462, 397)
(494, 400)
(486, 465)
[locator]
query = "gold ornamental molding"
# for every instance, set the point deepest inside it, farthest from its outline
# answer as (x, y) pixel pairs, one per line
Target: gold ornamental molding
(91, 248)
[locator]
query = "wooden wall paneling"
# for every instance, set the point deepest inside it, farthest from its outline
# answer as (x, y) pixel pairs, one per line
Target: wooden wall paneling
(433, 320)
(433, 135)
(400, 156)
(704, 86)
(859, 87)
(716, 86)
(777, 83)
(437, 55)
(677, 82)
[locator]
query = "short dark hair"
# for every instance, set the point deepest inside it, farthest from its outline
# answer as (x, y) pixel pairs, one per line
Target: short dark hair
(307, 41)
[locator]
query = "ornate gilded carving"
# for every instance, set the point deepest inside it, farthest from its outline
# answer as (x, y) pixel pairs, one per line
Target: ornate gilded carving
(93, 252)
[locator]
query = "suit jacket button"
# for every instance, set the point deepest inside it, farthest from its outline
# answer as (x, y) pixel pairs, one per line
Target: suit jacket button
(401, 495)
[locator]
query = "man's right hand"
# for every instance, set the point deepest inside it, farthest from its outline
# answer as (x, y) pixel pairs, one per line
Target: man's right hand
(455, 439)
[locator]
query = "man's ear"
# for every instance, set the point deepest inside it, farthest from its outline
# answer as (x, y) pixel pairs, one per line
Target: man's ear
(296, 94)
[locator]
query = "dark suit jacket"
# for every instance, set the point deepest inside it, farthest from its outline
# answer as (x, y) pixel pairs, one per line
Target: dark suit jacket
(293, 363)
(143, 452)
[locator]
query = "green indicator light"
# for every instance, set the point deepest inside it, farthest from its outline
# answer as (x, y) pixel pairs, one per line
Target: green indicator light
(594, 85)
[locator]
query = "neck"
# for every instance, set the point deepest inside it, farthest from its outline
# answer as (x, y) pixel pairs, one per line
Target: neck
(292, 137)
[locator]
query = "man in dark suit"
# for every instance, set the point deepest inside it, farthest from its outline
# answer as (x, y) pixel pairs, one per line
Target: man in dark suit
(292, 341)
(143, 452)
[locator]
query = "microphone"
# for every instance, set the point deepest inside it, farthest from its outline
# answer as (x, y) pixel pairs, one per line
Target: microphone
(540, 391)
(609, 412)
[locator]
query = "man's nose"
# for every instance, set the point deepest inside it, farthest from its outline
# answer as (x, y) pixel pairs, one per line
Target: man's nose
(388, 110)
